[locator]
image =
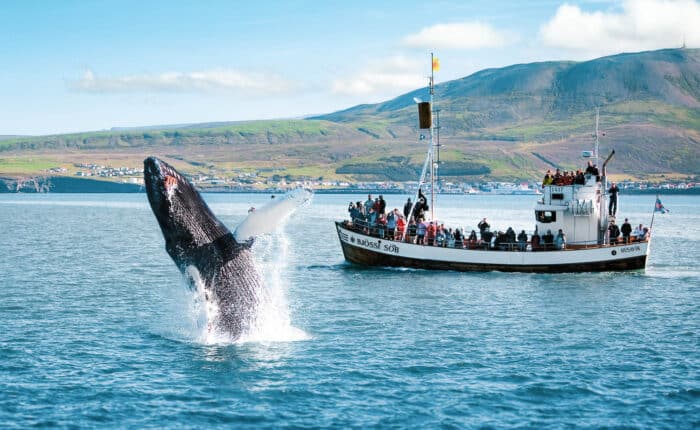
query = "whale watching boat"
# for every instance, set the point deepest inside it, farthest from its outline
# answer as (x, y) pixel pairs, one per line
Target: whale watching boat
(579, 210)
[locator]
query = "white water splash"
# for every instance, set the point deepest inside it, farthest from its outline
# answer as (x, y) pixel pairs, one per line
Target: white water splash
(273, 320)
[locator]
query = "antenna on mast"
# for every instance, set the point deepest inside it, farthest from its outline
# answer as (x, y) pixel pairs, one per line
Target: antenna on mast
(597, 116)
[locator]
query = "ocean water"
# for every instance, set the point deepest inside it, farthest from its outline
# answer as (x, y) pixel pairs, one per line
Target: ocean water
(99, 330)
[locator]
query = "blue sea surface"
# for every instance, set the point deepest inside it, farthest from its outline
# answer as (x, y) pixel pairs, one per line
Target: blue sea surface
(98, 328)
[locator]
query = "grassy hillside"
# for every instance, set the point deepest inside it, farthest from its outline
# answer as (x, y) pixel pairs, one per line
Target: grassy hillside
(507, 123)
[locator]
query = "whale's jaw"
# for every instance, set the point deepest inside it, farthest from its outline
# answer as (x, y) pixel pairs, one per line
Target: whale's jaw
(185, 219)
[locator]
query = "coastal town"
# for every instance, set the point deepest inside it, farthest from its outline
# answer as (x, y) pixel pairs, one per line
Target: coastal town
(258, 181)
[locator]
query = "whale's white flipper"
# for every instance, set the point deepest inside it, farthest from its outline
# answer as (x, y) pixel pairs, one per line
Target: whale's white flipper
(266, 218)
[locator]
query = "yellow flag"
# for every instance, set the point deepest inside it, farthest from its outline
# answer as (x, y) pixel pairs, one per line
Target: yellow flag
(436, 64)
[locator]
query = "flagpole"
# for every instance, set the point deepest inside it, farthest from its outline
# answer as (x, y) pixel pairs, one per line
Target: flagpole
(653, 212)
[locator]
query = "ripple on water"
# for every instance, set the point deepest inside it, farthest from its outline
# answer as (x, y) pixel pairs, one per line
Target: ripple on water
(98, 331)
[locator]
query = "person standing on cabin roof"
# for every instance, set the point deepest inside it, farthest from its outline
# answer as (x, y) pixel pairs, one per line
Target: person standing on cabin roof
(557, 177)
(547, 178)
(612, 206)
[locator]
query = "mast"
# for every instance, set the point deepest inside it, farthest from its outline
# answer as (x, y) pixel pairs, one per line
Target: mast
(433, 166)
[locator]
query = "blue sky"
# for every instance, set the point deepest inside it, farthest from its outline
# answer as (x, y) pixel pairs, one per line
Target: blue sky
(90, 65)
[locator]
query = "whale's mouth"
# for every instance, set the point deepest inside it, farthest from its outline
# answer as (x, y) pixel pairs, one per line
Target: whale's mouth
(160, 173)
(161, 179)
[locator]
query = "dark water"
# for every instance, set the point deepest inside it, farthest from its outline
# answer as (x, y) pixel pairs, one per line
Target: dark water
(98, 329)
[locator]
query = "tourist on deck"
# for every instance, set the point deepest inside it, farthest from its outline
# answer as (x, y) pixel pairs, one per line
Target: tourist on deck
(472, 241)
(420, 232)
(372, 221)
(548, 240)
(589, 169)
(522, 240)
(547, 178)
(626, 230)
(352, 211)
(420, 209)
(568, 178)
(486, 237)
(368, 204)
(381, 226)
(391, 224)
(579, 179)
(441, 237)
(458, 238)
(612, 206)
(510, 237)
(557, 177)
(400, 226)
(407, 208)
(412, 230)
(359, 219)
(382, 205)
(614, 232)
(430, 233)
(644, 236)
(483, 226)
(376, 205)
(535, 241)
(499, 240)
(592, 170)
(560, 240)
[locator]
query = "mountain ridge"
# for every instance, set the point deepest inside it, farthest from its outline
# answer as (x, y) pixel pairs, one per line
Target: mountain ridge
(502, 121)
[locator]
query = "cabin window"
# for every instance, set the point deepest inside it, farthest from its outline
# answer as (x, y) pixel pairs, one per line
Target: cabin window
(557, 196)
(546, 216)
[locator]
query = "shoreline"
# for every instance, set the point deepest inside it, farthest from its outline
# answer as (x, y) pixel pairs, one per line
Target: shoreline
(64, 184)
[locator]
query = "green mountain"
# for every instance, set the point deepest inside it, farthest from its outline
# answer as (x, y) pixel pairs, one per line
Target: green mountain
(505, 123)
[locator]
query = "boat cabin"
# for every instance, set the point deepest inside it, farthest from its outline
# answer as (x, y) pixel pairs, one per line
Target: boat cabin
(580, 211)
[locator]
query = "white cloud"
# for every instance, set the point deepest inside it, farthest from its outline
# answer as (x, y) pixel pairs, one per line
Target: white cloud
(393, 75)
(204, 81)
(640, 25)
(462, 35)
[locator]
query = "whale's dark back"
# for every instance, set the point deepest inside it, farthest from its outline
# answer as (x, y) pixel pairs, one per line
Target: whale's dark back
(196, 239)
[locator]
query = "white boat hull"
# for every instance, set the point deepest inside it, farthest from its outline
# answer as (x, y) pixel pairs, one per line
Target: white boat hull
(363, 249)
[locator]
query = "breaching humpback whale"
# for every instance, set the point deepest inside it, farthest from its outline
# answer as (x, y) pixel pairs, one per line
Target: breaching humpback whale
(206, 251)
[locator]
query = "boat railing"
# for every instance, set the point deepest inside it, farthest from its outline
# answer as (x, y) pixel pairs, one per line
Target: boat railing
(382, 232)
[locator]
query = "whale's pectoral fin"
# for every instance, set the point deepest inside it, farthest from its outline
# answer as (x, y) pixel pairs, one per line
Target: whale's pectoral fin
(266, 218)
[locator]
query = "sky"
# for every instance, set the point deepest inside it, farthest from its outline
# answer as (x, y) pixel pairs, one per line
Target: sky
(70, 66)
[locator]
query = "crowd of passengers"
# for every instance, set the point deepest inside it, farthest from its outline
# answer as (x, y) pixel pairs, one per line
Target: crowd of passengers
(372, 217)
(571, 178)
